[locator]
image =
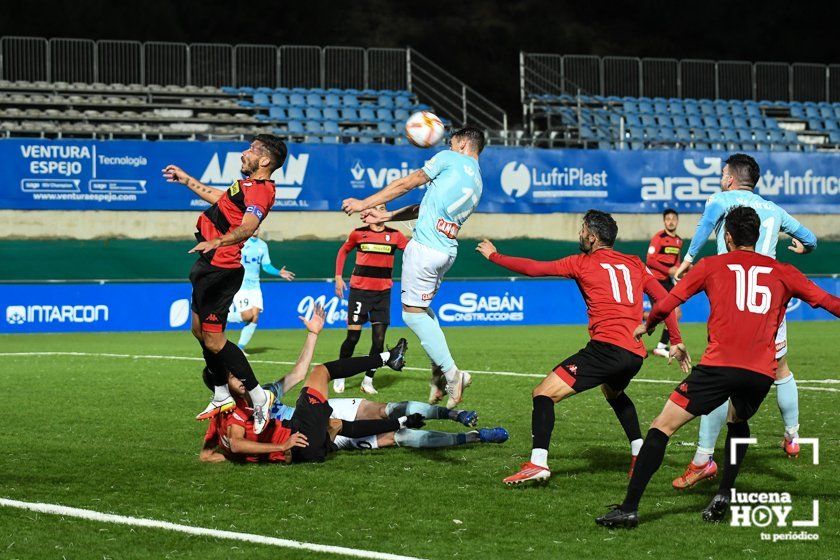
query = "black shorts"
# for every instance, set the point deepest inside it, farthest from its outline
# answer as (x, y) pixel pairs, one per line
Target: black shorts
(213, 289)
(708, 387)
(668, 284)
(312, 419)
(599, 362)
(368, 305)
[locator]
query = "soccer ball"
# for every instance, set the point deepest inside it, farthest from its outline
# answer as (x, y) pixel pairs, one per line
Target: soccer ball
(424, 129)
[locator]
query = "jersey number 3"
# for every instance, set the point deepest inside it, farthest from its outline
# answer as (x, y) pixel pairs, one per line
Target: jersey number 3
(748, 290)
(616, 291)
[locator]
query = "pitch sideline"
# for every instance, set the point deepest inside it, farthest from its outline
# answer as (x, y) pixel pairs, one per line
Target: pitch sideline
(91, 515)
(283, 363)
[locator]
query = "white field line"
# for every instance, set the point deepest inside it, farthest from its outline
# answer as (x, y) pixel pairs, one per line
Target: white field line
(198, 531)
(282, 363)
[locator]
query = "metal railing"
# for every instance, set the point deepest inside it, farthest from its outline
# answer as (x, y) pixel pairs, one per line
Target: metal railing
(551, 74)
(205, 64)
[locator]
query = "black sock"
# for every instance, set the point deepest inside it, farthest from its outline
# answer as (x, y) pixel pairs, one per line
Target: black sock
(625, 411)
(238, 365)
(665, 338)
(542, 422)
(364, 428)
(377, 343)
(730, 471)
(349, 344)
(218, 371)
(649, 461)
(348, 367)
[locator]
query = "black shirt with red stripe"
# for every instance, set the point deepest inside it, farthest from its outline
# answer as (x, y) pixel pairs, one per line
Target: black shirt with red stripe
(374, 257)
(247, 195)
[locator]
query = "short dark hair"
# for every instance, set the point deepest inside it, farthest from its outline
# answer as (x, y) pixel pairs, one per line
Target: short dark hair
(744, 168)
(474, 136)
(670, 211)
(743, 223)
(275, 148)
(602, 225)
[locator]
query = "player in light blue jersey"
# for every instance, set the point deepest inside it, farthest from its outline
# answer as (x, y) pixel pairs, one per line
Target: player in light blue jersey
(738, 180)
(248, 301)
(454, 189)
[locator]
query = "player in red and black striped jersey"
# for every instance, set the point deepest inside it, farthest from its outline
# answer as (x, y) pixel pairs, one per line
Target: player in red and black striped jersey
(370, 289)
(234, 215)
(663, 259)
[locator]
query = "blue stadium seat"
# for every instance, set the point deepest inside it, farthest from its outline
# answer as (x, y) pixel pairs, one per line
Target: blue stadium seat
(675, 107)
(331, 114)
(645, 107)
(722, 109)
(297, 100)
(740, 122)
(756, 122)
(314, 114)
(637, 145)
(744, 135)
(815, 124)
(247, 90)
(797, 112)
(830, 125)
(811, 111)
(710, 122)
(384, 115)
(770, 122)
(737, 109)
(368, 92)
(402, 101)
(277, 113)
(331, 127)
(834, 137)
(329, 139)
(349, 114)
(366, 114)
(647, 120)
(660, 107)
(230, 90)
(753, 111)
(662, 120)
(335, 91)
(826, 112)
(636, 133)
(775, 136)
(299, 91)
(313, 127)
(284, 90)
(837, 111)
(702, 146)
(651, 133)
(261, 100)
(683, 135)
(694, 121)
(314, 100)
(385, 129)
(726, 122)
(312, 140)
(666, 135)
(279, 100)
(295, 114)
(332, 100)
(265, 90)
(401, 115)
(295, 127)
(790, 137)
(385, 101)
(349, 100)
(630, 106)
(707, 109)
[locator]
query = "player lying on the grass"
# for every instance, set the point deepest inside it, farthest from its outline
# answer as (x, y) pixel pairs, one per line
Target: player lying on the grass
(308, 434)
(248, 301)
(748, 293)
(362, 409)
(738, 181)
(612, 285)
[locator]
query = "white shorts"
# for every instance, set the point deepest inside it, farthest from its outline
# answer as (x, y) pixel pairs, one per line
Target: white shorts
(346, 409)
(422, 272)
(246, 299)
(781, 339)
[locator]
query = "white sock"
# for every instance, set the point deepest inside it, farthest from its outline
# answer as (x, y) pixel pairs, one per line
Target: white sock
(792, 432)
(635, 446)
(220, 393)
(702, 456)
(539, 457)
(385, 357)
(451, 373)
(258, 396)
(368, 380)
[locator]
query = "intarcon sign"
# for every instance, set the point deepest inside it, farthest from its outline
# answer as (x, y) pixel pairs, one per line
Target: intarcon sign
(125, 175)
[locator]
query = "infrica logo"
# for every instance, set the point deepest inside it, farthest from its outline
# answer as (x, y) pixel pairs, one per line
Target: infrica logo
(20, 314)
(293, 172)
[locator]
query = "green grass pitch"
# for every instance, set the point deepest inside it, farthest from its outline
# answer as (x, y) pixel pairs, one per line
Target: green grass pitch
(116, 435)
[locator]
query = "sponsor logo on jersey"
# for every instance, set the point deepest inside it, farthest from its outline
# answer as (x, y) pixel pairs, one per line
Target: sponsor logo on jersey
(376, 248)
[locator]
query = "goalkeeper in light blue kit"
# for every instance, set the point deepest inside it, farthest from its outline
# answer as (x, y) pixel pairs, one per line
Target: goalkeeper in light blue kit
(454, 189)
(248, 301)
(738, 180)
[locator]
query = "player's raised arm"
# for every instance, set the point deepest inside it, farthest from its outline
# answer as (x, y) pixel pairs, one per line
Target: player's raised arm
(529, 267)
(394, 189)
(174, 174)
(804, 289)
(375, 216)
(712, 215)
(804, 240)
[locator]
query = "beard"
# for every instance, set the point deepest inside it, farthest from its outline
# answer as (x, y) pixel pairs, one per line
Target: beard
(582, 246)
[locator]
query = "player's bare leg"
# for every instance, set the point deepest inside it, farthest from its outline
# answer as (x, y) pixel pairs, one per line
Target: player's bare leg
(671, 419)
(549, 392)
(250, 317)
(354, 332)
(625, 411)
(787, 397)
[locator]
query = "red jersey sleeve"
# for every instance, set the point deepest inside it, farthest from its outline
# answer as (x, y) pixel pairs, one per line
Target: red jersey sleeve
(212, 433)
(402, 241)
(259, 198)
(566, 267)
(343, 251)
(692, 283)
(659, 296)
(810, 293)
(652, 259)
(238, 418)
